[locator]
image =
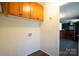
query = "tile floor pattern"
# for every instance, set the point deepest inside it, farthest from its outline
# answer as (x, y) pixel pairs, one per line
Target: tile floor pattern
(38, 53)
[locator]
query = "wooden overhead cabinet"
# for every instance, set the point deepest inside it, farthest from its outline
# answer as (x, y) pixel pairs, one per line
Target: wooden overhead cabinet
(30, 10)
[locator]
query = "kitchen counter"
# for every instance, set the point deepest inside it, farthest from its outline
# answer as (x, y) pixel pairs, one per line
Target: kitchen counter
(67, 34)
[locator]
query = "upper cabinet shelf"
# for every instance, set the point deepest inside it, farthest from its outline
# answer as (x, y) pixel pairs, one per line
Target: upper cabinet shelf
(30, 10)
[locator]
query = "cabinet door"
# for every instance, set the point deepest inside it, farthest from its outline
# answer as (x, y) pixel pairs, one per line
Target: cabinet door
(40, 13)
(13, 8)
(26, 9)
(4, 7)
(21, 9)
(34, 10)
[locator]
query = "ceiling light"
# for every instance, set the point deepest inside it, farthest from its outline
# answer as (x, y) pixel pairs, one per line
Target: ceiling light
(61, 15)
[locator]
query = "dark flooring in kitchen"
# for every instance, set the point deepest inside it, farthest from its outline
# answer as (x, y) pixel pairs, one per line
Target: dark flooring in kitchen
(68, 47)
(38, 53)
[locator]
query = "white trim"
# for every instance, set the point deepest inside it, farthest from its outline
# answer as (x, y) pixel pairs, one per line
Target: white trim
(47, 53)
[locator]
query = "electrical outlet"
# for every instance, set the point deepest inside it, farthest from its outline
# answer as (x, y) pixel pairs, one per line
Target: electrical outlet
(50, 18)
(29, 34)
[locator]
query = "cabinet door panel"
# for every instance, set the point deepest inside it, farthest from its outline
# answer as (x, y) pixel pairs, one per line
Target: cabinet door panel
(40, 13)
(26, 9)
(13, 8)
(4, 7)
(34, 10)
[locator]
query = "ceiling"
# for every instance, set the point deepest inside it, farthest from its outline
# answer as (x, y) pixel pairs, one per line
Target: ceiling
(69, 11)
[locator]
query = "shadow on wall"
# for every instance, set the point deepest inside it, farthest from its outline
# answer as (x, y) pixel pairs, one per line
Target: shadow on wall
(14, 21)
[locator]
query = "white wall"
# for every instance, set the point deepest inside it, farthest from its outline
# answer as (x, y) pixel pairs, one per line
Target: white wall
(14, 31)
(50, 30)
(14, 39)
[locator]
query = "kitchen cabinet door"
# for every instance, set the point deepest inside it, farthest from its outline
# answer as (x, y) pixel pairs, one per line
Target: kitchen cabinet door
(14, 8)
(26, 10)
(40, 13)
(34, 10)
(4, 7)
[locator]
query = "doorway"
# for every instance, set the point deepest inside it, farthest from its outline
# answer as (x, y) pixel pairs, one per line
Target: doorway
(69, 29)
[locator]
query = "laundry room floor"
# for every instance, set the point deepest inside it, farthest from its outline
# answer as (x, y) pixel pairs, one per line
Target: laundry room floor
(39, 53)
